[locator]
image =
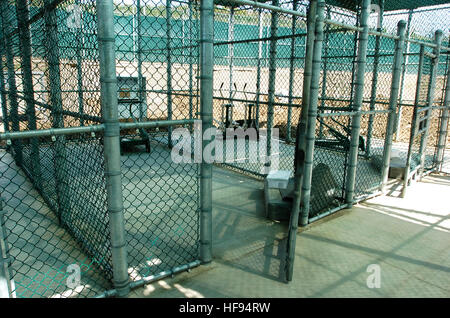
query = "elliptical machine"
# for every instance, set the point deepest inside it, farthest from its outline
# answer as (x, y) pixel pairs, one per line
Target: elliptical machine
(249, 120)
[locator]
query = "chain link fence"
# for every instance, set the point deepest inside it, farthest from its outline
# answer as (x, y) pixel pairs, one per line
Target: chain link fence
(66, 191)
(54, 188)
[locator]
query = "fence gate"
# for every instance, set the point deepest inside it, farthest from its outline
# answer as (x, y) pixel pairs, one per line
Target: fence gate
(420, 121)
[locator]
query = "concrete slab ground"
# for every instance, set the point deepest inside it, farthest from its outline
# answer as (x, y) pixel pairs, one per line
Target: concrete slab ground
(409, 239)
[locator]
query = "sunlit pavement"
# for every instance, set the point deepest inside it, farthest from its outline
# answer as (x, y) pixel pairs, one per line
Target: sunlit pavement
(406, 240)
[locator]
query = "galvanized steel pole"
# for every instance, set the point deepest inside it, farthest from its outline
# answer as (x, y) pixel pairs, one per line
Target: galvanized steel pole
(169, 67)
(7, 285)
(357, 103)
(111, 142)
(54, 80)
(3, 66)
(258, 67)
(7, 22)
(141, 87)
(79, 50)
(325, 66)
(373, 95)
(311, 56)
(430, 98)
(402, 84)
(3, 97)
(230, 56)
(304, 156)
(206, 109)
(272, 78)
(393, 101)
(291, 74)
(25, 54)
(191, 71)
(443, 129)
(412, 131)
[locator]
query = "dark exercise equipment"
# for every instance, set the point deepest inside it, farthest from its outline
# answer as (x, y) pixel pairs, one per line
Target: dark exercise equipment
(127, 97)
(143, 138)
(249, 120)
(342, 142)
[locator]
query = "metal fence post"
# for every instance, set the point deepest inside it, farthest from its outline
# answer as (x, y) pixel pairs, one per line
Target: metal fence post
(6, 13)
(373, 94)
(258, 66)
(272, 78)
(139, 61)
(310, 58)
(393, 102)
(7, 286)
(402, 84)
(412, 132)
(25, 54)
(230, 55)
(52, 53)
(79, 53)
(191, 70)
(357, 103)
(430, 98)
(206, 108)
(306, 130)
(325, 71)
(3, 94)
(108, 81)
(443, 129)
(291, 74)
(169, 67)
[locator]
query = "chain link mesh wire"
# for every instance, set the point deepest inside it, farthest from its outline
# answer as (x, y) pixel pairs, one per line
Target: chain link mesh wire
(437, 109)
(377, 90)
(53, 188)
(157, 68)
(333, 130)
(422, 21)
(242, 73)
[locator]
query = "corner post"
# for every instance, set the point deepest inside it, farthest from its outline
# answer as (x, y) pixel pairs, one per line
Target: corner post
(312, 59)
(169, 68)
(393, 101)
(55, 99)
(430, 99)
(272, 78)
(373, 94)
(25, 54)
(13, 115)
(206, 109)
(443, 129)
(291, 73)
(402, 84)
(308, 128)
(357, 103)
(108, 82)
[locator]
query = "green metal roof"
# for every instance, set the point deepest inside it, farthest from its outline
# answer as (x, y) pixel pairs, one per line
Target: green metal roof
(389, 5)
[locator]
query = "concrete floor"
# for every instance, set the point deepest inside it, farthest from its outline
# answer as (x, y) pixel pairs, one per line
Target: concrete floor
(247, 247)
(408, 238)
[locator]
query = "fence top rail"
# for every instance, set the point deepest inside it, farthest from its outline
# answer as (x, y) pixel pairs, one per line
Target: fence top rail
(26, 134)
(352, 113)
